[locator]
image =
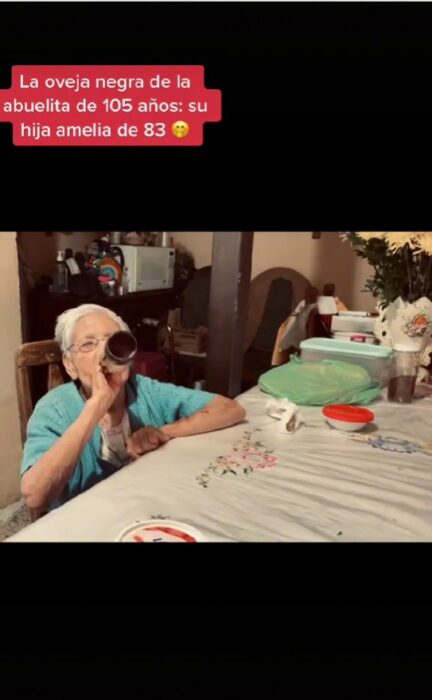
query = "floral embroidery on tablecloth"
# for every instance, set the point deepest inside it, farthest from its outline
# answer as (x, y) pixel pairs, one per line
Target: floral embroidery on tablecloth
(245, 456)
(394, 444)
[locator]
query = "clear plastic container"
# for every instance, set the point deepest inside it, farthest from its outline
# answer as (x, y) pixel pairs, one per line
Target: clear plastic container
(354, 337)
(374, 358)
(403, 376)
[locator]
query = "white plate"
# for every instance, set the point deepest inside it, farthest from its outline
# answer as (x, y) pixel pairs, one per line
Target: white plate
(160, 531)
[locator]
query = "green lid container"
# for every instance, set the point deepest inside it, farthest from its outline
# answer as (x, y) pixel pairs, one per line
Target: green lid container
(346, 347)
(374, 358)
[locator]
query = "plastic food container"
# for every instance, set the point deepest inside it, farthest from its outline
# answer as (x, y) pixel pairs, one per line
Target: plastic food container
(349, 418)
(354, 337)
(348, 322)
(374, 358)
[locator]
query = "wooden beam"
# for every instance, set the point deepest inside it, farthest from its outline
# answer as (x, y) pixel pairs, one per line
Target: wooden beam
(228, 307)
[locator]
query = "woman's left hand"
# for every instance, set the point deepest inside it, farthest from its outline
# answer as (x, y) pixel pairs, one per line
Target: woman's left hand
(145, 440)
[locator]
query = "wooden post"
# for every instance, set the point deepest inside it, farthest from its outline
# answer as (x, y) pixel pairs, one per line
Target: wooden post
(228, 307)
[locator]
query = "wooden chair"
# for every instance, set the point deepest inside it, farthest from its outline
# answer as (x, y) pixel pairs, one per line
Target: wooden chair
(273, 295)
(36, 354)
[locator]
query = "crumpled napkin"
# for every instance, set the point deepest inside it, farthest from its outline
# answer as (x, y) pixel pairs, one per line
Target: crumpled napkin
(286, 412)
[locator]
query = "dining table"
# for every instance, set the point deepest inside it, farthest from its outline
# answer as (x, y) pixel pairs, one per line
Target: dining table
(258, 482)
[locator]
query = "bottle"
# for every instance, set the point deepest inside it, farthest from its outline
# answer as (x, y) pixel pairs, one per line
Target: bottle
(61, 275)
(115, 237)
(111, 288)
(125, 280)
(403, 374)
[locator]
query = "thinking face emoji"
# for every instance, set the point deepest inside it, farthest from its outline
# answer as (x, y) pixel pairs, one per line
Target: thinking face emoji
(180, 129)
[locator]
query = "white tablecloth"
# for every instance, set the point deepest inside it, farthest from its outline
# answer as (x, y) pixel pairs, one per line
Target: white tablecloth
(250, 483)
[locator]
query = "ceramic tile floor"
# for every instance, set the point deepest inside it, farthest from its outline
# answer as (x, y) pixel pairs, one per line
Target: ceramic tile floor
(13, 518)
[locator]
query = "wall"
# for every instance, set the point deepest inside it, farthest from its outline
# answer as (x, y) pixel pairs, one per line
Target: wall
(40, 250)
(10, 338)
(321, 260)
(199, 243)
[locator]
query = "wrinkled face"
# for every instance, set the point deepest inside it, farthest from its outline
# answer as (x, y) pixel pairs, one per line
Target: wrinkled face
(89, 340)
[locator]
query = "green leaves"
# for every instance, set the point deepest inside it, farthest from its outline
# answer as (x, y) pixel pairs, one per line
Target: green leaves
(403, 273)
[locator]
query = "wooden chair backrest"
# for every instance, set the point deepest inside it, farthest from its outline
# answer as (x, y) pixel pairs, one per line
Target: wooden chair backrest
(40, 352)
(258, 291)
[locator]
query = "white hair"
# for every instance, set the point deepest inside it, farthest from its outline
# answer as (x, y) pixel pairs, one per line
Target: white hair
(67, 321)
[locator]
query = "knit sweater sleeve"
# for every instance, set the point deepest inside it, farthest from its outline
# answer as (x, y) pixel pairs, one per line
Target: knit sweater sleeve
(46, 425)
(167, 403)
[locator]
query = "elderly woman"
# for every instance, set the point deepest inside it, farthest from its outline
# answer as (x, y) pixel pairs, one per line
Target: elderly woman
(84, 430)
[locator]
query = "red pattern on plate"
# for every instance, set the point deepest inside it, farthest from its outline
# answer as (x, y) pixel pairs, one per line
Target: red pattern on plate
(171, 531)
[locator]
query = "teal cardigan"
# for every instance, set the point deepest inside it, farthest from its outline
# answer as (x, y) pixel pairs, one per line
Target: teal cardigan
(149, 403)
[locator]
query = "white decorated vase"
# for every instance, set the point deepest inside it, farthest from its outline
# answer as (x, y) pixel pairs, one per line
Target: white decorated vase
(405, 325)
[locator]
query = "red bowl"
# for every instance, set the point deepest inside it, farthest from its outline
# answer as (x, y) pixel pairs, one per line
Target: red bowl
(345, 417)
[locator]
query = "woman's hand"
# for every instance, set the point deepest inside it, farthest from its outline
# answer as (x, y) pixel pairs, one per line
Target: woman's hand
(105, 389)
(145, 440)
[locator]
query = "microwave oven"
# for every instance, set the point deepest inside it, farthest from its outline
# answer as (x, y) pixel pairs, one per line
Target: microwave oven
(148, 267)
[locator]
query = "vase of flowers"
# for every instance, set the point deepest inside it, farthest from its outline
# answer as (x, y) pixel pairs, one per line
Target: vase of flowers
(402, 282)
